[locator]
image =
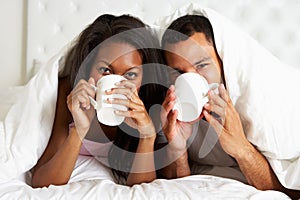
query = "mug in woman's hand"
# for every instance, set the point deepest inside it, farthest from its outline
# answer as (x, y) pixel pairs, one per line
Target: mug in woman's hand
(191, 91)
(105, 110)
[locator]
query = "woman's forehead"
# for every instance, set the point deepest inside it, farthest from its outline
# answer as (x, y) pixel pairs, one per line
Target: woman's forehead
(113, 51)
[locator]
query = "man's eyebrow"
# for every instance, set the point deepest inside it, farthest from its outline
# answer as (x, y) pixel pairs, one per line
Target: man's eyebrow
(202, 60)
(134, 67)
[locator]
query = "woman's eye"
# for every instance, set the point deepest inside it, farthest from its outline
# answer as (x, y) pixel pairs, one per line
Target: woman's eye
(104, 70)
(131, 75)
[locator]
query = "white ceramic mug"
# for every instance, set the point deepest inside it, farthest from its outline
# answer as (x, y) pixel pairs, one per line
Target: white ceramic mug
(191, 95)
(105, 110)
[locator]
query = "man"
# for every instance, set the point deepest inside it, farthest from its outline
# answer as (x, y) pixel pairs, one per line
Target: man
(189, 46)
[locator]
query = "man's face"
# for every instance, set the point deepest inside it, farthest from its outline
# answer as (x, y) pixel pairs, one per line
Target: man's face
(194, 55)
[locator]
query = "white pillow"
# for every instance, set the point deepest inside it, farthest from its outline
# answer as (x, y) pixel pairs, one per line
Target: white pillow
(27, 126)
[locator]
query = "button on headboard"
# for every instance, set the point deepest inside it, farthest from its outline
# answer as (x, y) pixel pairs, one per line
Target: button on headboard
(54, 23)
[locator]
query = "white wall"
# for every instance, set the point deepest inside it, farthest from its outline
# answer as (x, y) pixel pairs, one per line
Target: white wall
(12, 42)
(272, 22)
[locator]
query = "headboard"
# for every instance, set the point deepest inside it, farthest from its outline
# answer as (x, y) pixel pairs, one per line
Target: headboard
(53, 23)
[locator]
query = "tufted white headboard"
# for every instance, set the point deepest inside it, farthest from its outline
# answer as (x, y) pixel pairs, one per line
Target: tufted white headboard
(53, 23)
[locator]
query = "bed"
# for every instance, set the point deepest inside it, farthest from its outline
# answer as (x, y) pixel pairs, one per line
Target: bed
(23, 141)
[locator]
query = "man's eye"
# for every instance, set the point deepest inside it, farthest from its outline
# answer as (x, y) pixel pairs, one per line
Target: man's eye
(104, 70)
(202, 65)
(130, 75)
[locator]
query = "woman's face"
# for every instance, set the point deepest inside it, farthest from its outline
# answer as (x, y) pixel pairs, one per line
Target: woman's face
(194, 55)
(118, 58)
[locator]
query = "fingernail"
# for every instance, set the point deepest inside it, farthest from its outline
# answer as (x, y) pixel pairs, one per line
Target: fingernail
(222, 86)
(110, 100)
(94, 87)
(117, 83)
(108, 90)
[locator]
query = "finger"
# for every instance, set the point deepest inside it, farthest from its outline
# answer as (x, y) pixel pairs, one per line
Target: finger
(127, 84)
(171, 124)
(127, 113)
(85, 90)
(134, 114)
(214, 123)
(92, 83)
(224, 94)
(131, 105)
(170, 97)
(172, 117)
(140, 118)
(163, 115)
(167, 104)
(76, 101)
(165, 111)
(170, 90)
(126, 88)
(84, 86)
(216, 109)
(70, 102)
(124, 91)
(216, 99)
(83, 100)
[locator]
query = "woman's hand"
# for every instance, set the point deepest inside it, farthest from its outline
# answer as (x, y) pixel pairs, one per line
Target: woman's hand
(79, 105)
(228, 125)
(136, 115)
(176, 132)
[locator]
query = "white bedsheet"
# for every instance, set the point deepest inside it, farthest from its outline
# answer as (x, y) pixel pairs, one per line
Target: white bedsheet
(91, 180)
(25, 131)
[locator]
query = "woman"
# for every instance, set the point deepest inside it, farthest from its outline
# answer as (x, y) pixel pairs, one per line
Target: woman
(110, 45)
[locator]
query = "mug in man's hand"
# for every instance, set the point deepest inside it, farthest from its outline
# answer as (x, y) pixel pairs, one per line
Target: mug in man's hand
(105, 110)
(191, 91)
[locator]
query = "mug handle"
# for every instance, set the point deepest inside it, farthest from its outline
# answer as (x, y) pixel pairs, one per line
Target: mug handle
(212, 86)
(93, 102)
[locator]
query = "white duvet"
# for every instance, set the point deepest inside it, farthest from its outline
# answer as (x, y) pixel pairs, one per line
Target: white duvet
(91, 180)
(261, 88)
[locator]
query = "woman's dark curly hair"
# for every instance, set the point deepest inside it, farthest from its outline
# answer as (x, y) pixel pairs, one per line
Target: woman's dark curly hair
(130, 30)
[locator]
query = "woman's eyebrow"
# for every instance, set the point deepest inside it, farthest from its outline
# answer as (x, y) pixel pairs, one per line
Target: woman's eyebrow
(202, 60)
(105, 62)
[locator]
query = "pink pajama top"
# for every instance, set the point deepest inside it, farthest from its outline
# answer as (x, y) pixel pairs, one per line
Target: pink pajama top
(91, 148)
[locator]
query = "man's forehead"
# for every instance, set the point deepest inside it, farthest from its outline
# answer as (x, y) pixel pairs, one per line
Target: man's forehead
(188, 50)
